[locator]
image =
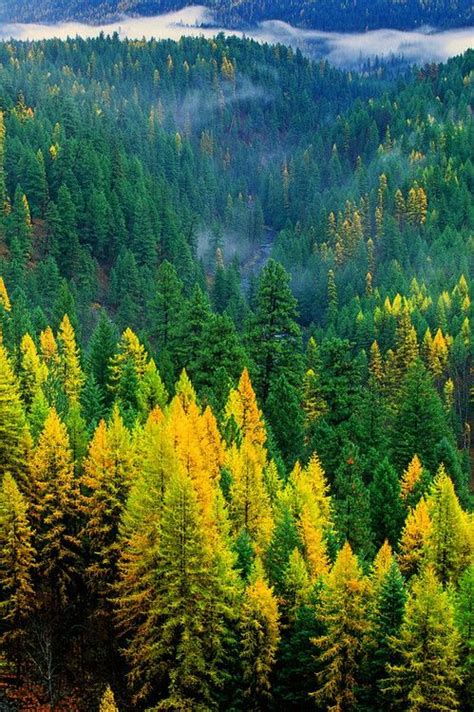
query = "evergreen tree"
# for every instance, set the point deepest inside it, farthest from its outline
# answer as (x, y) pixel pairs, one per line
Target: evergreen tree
(385, 504)
(420, 422)
(287, 423)
(273, 336)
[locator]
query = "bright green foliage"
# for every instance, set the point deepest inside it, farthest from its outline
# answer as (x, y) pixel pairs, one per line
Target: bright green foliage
(353, 516)
(428, 674)
(288, 422)
(12, 420)
(464, 612)
(449, 546)
(420, 421)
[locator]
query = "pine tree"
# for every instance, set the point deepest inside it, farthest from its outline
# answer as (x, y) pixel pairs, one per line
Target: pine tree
(19, 228)
(428, 643)
(287, 423)
(17, 557)
(260, 637)
(343, 612)
(100, 354)
(3, 189)
(353, 519)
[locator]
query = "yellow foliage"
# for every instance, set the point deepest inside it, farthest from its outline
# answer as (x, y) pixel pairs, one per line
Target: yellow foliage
(243, 408)
(4, 298)
(414, 538)
(411, 477)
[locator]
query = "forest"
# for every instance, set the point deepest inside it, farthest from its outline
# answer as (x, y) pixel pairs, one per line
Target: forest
(330, 15)
(235, 380)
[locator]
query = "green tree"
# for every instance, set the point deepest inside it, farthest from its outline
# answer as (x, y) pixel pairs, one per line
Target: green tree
(385, 504)
(273, 335)
(428, 644)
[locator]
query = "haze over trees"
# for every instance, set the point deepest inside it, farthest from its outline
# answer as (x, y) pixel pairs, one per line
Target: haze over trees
(332, 15)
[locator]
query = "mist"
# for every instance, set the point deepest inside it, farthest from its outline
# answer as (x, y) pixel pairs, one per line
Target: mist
(342, 50)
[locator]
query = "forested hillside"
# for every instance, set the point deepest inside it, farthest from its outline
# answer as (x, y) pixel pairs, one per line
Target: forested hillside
(232, 482)
(324, 15)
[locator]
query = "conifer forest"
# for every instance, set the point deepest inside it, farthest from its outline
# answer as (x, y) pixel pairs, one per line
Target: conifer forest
(236, 363)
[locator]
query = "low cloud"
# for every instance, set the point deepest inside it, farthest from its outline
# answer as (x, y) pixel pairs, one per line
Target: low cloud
(343, 50)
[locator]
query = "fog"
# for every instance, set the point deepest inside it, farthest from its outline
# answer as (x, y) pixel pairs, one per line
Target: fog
(344, 50)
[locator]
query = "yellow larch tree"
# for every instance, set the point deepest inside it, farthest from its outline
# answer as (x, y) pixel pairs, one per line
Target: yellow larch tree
(243, 409)
(69, 368)
(130, 350)
(260, 636)
(448, 545)
(411, 478)
(49, 349)
(13, 431)
(4, 298)
(17, 561)
(343, 611)
(32, 373)
(55, 513)
(250, 504)
(414, 539)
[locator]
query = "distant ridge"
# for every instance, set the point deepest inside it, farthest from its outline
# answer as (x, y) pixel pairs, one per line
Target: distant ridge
(331, 15)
